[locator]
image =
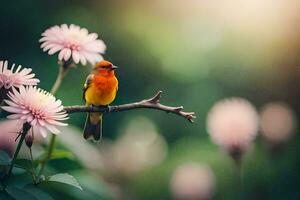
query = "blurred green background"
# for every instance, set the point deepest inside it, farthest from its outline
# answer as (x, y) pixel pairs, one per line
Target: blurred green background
(196, 52)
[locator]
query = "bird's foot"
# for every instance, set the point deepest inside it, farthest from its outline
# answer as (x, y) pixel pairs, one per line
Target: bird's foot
(102, 107)
(105, 107)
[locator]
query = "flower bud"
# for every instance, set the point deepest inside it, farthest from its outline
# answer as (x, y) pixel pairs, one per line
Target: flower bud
(29, 140)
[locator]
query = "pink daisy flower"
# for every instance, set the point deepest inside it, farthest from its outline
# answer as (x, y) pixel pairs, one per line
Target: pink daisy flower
(73, 42)
(37, 107)
(233, 124)
(10, 78)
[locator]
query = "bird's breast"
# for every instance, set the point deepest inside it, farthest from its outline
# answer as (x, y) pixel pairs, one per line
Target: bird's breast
(102, 90)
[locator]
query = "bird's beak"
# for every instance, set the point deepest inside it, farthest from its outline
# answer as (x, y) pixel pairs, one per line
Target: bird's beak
(114, 67)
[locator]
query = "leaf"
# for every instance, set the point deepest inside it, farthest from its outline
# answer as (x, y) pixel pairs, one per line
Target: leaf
(18, 171)
(56, 154)
(93, 184)
(20, 194)
(24, 164)
(37, 192)
(62, 154)
(4, 158)
(64, 178)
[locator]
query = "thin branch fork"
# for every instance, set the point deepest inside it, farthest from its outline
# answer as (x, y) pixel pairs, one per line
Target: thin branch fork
(152, 103)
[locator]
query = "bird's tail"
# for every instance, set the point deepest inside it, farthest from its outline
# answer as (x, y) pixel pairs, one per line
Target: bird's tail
(93, 126)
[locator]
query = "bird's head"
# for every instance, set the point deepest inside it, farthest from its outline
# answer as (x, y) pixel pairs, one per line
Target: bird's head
(104, 67)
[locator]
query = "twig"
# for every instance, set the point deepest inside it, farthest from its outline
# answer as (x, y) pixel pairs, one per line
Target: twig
(152, 103)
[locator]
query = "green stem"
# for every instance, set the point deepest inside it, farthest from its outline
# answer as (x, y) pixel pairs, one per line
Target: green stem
(49, 154)
(16, 155)
(238, 168)
(63, 71)
(240, 173)
(32, 167)
(23, 133)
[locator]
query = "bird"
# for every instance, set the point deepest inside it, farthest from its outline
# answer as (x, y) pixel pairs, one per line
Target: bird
(100, 89)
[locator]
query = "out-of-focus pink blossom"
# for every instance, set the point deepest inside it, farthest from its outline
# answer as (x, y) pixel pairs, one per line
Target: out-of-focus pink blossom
(37, 107)
(232, 124)
(277, 122)
(73, 42)
(9, 132)
(193, 182)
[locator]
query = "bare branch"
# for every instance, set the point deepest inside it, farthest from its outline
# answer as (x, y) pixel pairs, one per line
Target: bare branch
(152, 103)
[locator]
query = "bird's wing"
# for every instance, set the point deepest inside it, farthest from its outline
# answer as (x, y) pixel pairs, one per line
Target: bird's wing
(87, 84)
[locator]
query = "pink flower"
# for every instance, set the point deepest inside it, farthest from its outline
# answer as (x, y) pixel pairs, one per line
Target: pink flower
(10, 78)
(37, 107)
(277, 122)
(193, 181)
(9, 133)
(232, 124)
(73, 41)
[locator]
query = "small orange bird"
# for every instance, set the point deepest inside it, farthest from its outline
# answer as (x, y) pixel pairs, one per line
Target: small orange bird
(100, 89)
